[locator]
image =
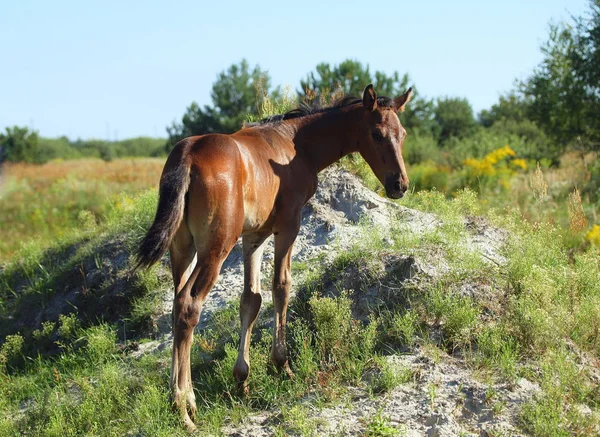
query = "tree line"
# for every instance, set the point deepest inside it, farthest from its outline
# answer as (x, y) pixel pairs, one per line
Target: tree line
(20, 144)
(555, 109)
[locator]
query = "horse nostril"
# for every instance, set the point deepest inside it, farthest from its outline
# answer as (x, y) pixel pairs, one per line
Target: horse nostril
(397, 186)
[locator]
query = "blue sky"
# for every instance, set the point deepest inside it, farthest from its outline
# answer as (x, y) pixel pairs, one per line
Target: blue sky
(108, 69)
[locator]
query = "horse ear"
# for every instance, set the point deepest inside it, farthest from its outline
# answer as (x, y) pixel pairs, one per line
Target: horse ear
(400, 102)
(370, 98)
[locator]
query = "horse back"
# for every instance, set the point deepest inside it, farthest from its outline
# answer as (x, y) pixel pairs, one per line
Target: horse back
(244, 173)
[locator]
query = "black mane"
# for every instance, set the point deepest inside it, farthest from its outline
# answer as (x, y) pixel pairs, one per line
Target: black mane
(315, 108)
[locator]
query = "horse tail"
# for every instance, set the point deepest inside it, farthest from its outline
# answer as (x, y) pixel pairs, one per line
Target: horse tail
(174, 184)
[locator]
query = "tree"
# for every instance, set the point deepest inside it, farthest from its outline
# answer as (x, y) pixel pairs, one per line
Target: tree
(564, 90)
(56, 148)
(555, 94)
(454, 117)
(20, 145)
(236, 94)
(510, 118)
(509, 107)
(347, 78)
(351, 77)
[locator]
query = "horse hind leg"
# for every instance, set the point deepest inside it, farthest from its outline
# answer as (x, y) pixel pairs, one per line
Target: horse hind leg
(182, 253)
(183, 261)
(215, 217)
(187, 307)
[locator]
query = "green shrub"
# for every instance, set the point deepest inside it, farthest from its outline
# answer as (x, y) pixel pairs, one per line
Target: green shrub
(332, 318)
(499, 350)
(405, 327)
(11, 352)
(305, 358)
(43, 336)
(553, 411)
(387, 376)
(460, 319)
(101, 343)
(430, 176)
(379, 426)
(68, 326)
(458, 315)
(420, 148)
(343, 344)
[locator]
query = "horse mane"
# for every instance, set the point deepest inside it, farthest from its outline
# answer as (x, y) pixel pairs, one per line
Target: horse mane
(314, 107)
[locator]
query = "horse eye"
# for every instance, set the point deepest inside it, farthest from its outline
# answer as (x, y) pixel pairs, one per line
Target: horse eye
(377, 136)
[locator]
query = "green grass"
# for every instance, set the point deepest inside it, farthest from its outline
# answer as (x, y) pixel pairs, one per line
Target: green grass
(542, 304)
(87, 272)
(535, 316)
(89, 389)
(507, 188)
(379, 426)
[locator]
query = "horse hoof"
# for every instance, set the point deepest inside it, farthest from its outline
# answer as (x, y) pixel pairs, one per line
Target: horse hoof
(191, 406)
(242, 388)
(185, 405)
(189, 425)
(192, 410)
(276, 369)
(287, 370)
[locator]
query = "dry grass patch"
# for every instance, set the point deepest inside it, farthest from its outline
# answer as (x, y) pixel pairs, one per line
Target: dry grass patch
(51, 200)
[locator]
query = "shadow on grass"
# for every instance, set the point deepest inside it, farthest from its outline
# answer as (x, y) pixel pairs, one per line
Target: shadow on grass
(90, 277)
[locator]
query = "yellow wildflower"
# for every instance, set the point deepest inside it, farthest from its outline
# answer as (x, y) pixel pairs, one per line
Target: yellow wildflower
(594, 236)
(518, 162)
(479, 166)
(499, 154)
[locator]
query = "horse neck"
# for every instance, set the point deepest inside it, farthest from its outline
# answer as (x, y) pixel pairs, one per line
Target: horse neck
(326, 137)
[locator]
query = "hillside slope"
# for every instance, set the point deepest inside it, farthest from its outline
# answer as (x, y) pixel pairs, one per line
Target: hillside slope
(423, 321)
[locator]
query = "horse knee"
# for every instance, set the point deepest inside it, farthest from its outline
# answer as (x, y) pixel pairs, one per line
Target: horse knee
(282, 282)
(187, 315)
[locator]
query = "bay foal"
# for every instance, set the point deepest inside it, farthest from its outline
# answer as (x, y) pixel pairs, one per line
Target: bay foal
(253, 183)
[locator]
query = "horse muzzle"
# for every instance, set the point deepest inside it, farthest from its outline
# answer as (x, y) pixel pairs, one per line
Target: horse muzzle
(395, 186)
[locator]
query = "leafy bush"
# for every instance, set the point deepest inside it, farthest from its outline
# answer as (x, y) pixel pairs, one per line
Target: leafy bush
(430, 176)
(43, 336)
(403, 327)
(332, 319)
(499, 349)
(11, 352)
(19, 145)
(526, 139)
(69, 326)
(420, 148)
(101, 341)
(454, 117)
(492, 171)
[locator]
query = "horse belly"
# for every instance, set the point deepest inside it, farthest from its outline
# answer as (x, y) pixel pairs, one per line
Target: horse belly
(257, 215)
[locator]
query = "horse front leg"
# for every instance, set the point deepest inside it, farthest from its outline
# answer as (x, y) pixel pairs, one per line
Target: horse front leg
(282, 281)
(251, 300)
